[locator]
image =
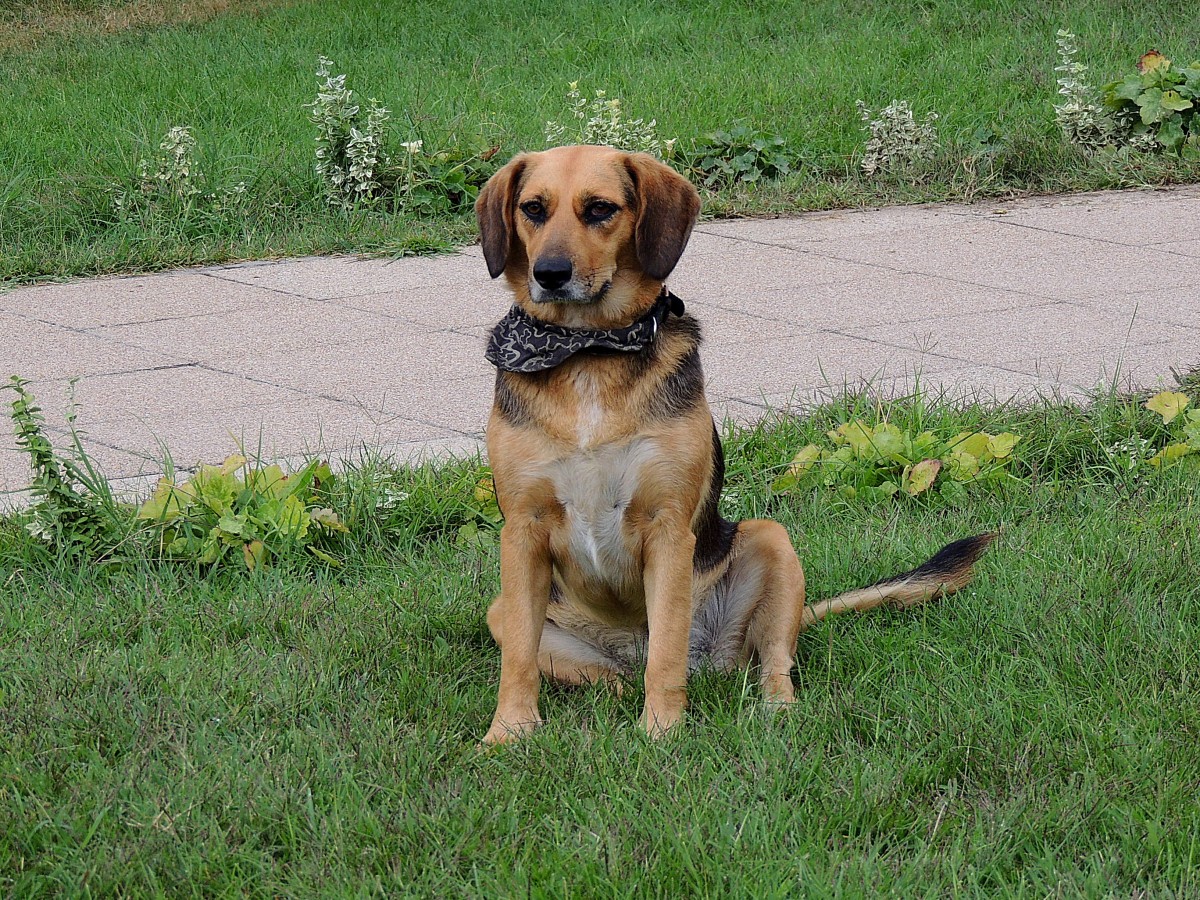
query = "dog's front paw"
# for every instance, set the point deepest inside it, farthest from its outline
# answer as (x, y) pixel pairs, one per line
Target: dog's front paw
(658, 721)
(508, 730)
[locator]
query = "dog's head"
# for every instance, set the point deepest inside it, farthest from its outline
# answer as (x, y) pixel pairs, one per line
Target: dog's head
(585, 227)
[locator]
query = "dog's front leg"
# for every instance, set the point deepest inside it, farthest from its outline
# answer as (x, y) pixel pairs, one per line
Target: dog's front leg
(668, 550)
(524, 593)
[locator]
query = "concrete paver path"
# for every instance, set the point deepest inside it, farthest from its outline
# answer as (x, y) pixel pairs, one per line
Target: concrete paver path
(999, 299)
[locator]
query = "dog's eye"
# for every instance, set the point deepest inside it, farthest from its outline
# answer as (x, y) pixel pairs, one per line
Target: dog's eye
(599, 211)
(534, 209)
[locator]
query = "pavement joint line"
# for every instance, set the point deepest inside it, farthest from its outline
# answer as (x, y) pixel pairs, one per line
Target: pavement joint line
(1004, 220)
(240, 283)
(163, 368)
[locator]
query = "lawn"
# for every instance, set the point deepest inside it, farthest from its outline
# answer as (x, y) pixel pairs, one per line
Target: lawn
(85, 101)
(170, 729)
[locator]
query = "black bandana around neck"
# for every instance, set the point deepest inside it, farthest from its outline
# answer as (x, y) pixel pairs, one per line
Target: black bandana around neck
(521, 343)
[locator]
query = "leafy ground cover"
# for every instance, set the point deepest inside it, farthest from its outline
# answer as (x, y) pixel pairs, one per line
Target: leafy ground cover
(87, 100)
(169, 728)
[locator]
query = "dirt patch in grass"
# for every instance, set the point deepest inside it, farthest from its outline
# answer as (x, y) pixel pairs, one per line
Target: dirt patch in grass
(27, 24)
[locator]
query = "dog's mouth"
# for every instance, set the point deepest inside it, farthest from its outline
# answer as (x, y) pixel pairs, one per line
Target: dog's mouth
(568, 293)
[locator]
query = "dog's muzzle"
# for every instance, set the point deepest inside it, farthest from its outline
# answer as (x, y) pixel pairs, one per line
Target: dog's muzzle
(556, 281)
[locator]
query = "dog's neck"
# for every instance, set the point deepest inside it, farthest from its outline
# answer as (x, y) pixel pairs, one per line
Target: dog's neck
(523, 344)
(621, 306)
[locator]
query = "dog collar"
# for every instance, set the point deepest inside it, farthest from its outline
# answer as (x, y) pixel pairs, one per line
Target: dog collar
(521, 343)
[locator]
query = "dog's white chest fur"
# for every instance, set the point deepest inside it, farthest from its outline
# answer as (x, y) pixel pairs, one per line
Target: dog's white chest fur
(590, 412)
(596, 487)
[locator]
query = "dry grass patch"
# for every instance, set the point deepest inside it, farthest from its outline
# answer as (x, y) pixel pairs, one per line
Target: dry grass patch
(27, 24)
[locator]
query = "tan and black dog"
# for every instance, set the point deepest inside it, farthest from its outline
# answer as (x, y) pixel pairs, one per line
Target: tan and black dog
(607, 464)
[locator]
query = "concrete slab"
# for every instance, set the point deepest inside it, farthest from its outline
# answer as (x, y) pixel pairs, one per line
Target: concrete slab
(1038, 263)
(327, 277)
(841, 224)
(36, 350)
(248, 330)
(122, 301)
(299, 426)
(748, 369)
(885, 297)
(392, 362)
(474, 301)
(188, 390)
(1178, 306)
(1031, 333)
(1183, 248)
(1097, 218)
(744, 268)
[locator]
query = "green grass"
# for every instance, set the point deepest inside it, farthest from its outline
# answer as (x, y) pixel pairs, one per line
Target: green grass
(81, 108)
(171, 731)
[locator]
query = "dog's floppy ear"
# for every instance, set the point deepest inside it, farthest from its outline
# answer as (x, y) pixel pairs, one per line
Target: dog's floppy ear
(668, 205)
(494, 210)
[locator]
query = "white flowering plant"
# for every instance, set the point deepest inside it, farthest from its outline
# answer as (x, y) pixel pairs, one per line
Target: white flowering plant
(1084, 122)
(173, 182)
(349, 151)
(358, 169)
(895, 139)
(602, 120)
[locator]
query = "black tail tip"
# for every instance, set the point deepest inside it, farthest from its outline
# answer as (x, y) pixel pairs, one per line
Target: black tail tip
(957, 559)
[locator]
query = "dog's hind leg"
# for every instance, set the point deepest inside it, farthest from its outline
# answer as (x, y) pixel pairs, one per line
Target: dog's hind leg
(755, 611)
(768, 569)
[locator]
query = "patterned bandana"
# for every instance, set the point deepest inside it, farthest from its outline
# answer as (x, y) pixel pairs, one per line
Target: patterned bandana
(521, 343)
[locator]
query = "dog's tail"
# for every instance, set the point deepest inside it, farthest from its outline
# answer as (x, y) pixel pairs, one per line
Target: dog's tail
(947, 571)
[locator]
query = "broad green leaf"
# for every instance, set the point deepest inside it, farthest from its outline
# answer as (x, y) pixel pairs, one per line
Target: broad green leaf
(1167, 404)
(921, 476)
(879, 492)
(1170, 135)
(485, 489)
(923, 445)
(215, 489)
(231, 524)
(963, 466)
(328, 519)
(857, 435)
(1173, 101)
(165, 503)
(254, 553)
(232, 464)
(268, 481)
(1191, 147)
(1152, 62)
(784, 482)
(888, 440)
(804, 460)
(1001, 446)
(1129, 89)
(973, 442)
(1150, 106)
(1191, 430)
(1169, 455)
(293, 518)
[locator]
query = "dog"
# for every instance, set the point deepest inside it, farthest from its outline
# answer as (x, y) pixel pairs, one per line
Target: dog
(607, 463)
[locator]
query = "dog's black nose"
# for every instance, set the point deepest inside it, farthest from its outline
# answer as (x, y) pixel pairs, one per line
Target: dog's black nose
(552, 273)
